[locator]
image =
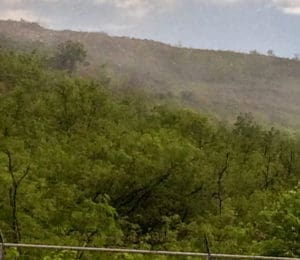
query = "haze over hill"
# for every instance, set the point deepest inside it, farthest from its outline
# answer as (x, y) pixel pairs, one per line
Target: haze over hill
(223, 83)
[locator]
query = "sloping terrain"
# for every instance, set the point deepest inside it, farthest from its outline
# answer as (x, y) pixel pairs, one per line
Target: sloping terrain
(82, 166)
(219, 82)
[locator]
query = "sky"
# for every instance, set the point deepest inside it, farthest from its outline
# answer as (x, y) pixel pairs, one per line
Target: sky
(238, 25)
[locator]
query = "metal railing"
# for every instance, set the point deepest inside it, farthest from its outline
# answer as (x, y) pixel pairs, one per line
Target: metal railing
(136, 251)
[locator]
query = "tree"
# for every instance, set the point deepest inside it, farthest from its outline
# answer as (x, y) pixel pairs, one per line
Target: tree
(69, 54)
(271, 53)
(255, 52)
(279, 226)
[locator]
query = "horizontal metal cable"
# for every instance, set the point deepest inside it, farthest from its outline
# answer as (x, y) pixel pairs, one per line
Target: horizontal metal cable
(145, 252)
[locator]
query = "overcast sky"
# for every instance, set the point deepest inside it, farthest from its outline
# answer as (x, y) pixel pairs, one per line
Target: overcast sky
(239, 25)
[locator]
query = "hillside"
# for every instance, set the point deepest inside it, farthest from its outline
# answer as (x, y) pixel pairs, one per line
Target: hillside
(81, 166)
(223, 83)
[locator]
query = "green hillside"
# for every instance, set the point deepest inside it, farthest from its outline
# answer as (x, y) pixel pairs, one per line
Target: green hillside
(218, 82)
(81, 166)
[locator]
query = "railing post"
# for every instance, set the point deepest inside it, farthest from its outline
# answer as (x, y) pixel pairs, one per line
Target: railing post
(1, 252)
(1, 247)
(207, 247)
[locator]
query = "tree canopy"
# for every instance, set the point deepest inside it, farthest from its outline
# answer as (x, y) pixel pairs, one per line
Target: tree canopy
(68, 56)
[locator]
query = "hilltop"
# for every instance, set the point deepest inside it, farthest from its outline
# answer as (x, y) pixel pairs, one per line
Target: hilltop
(220, 82)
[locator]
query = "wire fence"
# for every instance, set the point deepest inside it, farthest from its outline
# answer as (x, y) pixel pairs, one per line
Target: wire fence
(3, 246)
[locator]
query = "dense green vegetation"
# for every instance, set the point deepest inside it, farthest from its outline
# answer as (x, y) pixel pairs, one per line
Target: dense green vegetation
(81, 166)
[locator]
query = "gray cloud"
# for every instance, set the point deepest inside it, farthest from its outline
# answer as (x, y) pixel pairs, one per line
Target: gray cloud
(132, 10)
(113, 16)
(289, 6)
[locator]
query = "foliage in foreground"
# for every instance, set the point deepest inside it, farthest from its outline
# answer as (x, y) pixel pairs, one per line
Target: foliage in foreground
(79, 166)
